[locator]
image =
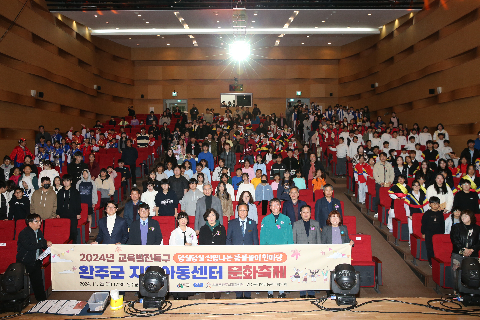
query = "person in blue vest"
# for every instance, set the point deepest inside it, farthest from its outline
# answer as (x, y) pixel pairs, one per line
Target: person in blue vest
(242, 231)
(276, 228)
(291, 208)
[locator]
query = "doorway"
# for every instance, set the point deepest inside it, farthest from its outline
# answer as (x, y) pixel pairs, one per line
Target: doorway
(171, 104)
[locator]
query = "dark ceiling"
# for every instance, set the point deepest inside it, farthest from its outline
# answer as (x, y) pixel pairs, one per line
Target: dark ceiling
(79, 5)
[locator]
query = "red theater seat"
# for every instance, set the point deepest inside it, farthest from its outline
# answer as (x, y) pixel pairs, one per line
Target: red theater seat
(83, 232)
(441, 262)
(384, 206)
(370, 267)
(306, 195)
(400, 222)
(371, 193)
(8, 252)
(57, 230)
(7, 230)
(417, 243)
(167, 225)
(19, 226)
(351, 223)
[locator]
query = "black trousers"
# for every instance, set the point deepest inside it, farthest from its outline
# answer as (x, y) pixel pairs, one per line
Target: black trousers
(36, 280)
(133, 170)
(376, 200)
(73, 229)
(429, 246)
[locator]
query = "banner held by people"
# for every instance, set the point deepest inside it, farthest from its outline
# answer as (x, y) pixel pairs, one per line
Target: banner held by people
(197, 269)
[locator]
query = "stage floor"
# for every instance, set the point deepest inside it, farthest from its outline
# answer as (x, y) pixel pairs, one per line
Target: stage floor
(280, 308)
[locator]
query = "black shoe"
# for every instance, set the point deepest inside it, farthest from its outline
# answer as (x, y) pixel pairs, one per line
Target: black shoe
(311, 296)
(282, 296)
(270, 296)
(302, 296)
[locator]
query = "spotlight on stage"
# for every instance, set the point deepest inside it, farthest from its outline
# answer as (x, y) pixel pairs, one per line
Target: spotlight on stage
(345, 284)
(239, 50)
(153, 287)
(14, 289)
(469, 282)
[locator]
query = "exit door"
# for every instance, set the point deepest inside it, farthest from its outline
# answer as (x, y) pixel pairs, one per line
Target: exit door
(172, 104)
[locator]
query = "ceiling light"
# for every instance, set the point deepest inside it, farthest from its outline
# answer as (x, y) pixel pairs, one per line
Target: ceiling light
(129, 38)
(251, 27)
(147, 22)
(95, 16)
(323, 20)
(139, 15)
(218, 21)
(348, 27)
(253, 21)
(216, 14)
(220, 37)
(219, 27)
(329, 43)
(117, 28)
(106, 22)
(138, 44)
(369, 14)
(303, 43)
(316, 27)
(168, 44)
(239, 50)
(254, 14)
(158, 35)
(308, 36)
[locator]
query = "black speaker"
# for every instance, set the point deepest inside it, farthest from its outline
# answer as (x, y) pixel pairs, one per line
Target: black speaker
(431, 91)
(372, 85)
(14, 289)
(40, 94)
(99, 87)
(331, 94)
(142, 96)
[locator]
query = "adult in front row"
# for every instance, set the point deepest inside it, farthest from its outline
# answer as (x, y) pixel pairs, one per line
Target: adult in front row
(29, 247)
(112, 229)
(325, 205)
(145, 231)
(212, 233)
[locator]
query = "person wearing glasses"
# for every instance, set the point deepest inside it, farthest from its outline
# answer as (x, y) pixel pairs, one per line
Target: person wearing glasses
(30, 246)
(112, 229)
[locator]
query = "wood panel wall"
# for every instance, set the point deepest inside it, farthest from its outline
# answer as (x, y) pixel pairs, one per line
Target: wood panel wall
(438, 47)
(54, 55)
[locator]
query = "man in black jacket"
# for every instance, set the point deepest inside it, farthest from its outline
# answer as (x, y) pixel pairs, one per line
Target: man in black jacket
(19, 206)
(69, 205)
(29, 247)
(144, 231)
(194, 113)
(470, 152)
(75, 169)
(129, 157)
(166, 137)
(291, 164)
(154, 130)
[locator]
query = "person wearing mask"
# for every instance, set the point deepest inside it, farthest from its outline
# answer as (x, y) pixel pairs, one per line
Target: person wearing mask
(129, 157)
(30, 244)
(144, 231)
(242, 231)
(212, 233)
(112, 229)
(291, 208)
(69, 205)
(306, 231)
(466, 199)
(465, 237)
(276, 229)
(264, 193)
(325, 205)
(130, 211)
(432, 223)
(205, 203)
(44, 201)
(384, 175)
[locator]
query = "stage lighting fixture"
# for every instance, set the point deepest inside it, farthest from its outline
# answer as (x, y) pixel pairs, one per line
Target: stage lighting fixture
(14, 289)
(345, 284)
(153, 287)
(468, 282)
(239, 50)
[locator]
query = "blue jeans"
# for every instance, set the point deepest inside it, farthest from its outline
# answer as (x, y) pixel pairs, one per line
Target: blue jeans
(240, 294)
(309, 292)
(279, 292)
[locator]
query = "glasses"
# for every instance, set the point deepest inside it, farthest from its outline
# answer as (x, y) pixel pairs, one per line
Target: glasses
(111, 207)
(37, 221)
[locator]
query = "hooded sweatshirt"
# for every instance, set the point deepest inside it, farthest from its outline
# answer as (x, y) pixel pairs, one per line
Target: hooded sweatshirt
(52, 173)
(106, 187)
(27, 192)
(31, 179)
(44, 203)
(87, 189)
(6, 171)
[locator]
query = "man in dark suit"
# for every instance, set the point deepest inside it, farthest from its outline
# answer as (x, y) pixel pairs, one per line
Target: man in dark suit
(325, 205)
(130, 211)
(29, 247)
(291, 208)
(242, 231)
(145, 231)
(112, 229)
